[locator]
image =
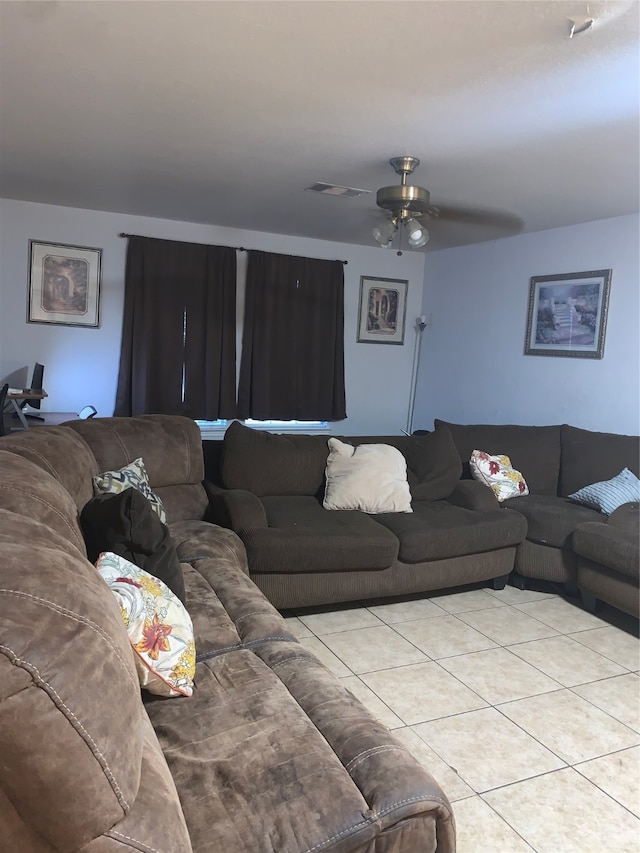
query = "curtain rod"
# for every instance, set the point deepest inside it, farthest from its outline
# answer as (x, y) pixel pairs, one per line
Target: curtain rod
(238, 248)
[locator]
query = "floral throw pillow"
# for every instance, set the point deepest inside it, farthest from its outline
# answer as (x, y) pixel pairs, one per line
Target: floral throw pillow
(132, 476)
(159, 627)
(496, 472)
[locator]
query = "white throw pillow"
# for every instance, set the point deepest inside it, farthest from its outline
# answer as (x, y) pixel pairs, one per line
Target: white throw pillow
(371, 478)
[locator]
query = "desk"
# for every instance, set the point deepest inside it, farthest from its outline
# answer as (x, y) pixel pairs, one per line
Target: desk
(53, 418)
(25, 394)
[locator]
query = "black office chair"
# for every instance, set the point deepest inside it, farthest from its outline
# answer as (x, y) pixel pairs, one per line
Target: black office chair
(36, 385)
(3, 402)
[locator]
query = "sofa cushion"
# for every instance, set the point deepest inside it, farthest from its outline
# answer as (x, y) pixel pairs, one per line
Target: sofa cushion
(126, 524)
(27, 490)
(610, 546)
(433, 463)
(551, 520)
(498, 474)
(608, 495)
(227, 609)
(590, 457)
(198, 540)
(53, 603)
(371, 478)
(158, 626)
(268, 464)
(533, 450)
(438, 530)
(130, 476)
(156, 819)
(272, 731)
(171, 447)
(268, 727)
(626, 517)
(22, 528)
(60, 452)
(304, 537)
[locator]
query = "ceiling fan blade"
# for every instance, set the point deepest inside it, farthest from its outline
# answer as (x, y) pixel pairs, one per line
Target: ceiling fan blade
(508, 222)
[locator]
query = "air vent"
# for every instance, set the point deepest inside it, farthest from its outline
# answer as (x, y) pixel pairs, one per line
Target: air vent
(332, 189)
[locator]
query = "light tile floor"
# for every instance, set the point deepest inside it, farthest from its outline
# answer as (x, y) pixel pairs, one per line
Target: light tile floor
(524, 707)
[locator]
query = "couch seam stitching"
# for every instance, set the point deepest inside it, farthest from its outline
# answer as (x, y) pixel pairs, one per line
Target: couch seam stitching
(112, 832)
(52, 692)
(252, 613)
(369, 753)
(47, 464)
(248, 645)
(83, 620)
(53, 509)
(373, 817)
(121, 442)
(305, 657)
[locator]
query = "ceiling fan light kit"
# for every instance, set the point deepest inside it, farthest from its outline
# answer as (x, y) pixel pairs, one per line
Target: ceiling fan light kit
(405, 203)
(383, 234)
(418, 234)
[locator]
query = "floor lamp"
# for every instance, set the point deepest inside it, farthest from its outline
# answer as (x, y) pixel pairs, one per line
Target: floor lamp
(421, 325)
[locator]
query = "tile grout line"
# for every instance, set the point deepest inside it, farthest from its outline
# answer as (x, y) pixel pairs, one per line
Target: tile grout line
(570, 689)
(596, 785)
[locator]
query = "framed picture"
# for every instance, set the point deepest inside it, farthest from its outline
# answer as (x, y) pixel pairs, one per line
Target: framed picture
(568, 314)
(64, 284)
(382, 310)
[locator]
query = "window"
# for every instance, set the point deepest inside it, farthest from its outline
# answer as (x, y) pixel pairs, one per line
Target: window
(215, 429)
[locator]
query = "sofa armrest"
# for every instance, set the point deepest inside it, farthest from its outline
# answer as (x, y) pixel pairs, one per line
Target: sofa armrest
(470, 494)
(236, 509)
(626, 517)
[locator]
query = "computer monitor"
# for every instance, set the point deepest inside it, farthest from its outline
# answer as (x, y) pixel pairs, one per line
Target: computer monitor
(36, 385)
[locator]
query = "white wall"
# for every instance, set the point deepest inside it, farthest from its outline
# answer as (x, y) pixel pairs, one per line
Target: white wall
(81, 365)
(472, 367)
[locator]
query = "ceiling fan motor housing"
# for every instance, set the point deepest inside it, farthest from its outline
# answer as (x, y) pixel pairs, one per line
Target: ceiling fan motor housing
(395, 198)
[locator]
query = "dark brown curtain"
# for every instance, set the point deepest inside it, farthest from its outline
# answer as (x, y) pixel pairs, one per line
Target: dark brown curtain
(292, 365)
(178, 352)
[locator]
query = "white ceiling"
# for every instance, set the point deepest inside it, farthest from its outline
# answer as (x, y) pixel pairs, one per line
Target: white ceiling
(223, 112)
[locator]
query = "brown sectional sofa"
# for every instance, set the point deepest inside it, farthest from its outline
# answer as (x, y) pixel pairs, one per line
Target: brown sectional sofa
(566, 542)
(269, 491)
(271, 753)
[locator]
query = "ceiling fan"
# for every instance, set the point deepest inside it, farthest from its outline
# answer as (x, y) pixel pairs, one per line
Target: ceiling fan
(410, 206)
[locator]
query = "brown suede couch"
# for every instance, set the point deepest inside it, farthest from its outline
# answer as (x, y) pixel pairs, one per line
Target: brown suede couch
(268, 488)
(271, 753)
(566, 542)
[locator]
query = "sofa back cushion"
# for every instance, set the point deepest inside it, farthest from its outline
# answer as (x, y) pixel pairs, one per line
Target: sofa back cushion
(171, 448)
(267, 464)
(433, 463)
(29, 491)
(591, 457)
(533, 450)
(66, 667)
(60, 452)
